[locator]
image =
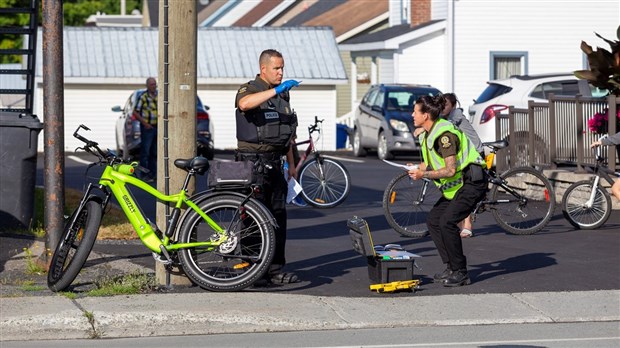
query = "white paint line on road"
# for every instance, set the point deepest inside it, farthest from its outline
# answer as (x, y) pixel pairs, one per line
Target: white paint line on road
(78, 160)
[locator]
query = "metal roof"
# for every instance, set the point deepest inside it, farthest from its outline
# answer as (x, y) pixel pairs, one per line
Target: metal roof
(310, 53)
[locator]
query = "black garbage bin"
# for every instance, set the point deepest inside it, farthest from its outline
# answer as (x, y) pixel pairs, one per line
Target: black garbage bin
(18, 169)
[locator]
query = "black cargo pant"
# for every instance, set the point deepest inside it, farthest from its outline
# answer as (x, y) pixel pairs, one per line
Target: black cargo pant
(274, 188)
(443, 220)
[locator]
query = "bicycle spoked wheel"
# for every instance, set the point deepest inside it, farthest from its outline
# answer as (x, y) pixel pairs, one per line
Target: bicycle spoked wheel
(405, 206)
(240, 261)
(532, 209)
(74, 246)
(575, 205)
(327, 190)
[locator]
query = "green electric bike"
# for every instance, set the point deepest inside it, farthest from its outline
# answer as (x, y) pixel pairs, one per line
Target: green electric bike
(224, 240)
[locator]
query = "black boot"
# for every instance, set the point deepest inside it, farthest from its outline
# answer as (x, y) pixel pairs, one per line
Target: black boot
(441, 277)
(457, 278)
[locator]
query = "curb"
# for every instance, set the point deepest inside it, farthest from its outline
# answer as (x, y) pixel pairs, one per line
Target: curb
(37, 318)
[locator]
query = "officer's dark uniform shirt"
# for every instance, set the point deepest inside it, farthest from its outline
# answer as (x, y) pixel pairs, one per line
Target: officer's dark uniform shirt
(446, 145)
(278, 103)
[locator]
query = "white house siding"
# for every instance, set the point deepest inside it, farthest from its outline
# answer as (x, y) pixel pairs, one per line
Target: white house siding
(550, 32)
(386, 67)
(308, 102)
(439, 9)
(89, 105)
(422, 61)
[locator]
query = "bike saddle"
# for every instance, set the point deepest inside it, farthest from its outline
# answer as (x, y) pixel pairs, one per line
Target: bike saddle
(497, 145)
(199, 164)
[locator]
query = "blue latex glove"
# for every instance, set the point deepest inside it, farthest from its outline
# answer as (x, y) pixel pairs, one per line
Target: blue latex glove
(286, 86)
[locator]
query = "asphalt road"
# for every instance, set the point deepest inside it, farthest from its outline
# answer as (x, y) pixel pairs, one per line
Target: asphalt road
(319, 249)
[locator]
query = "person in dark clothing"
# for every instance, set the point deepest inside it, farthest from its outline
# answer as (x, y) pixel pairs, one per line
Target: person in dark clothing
(265, 126)
(454, 165)
(146, 112)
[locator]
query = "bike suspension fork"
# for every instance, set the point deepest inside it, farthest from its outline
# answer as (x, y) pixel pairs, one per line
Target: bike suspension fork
(595, 182)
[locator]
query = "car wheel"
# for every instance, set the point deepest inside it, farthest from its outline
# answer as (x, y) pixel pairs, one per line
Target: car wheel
(382, 148)
(358, 150)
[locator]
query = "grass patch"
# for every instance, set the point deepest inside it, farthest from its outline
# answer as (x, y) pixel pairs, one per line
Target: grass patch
(114, 224)
(32, 266)
(29, 285)
(130, 284)
(68, 294)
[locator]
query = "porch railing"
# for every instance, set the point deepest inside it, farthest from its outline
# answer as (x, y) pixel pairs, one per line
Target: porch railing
(555, 133)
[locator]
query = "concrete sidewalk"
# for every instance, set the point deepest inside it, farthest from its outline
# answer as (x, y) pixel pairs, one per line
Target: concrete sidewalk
(57, 317)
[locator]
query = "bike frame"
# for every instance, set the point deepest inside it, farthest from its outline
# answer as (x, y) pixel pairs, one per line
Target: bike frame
(310, 149)
(115, 180)
(599, 171)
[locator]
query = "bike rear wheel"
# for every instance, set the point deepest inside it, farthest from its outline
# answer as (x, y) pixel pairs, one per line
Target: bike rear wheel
(74, 246)
(406, 207)
(240, 261)
(576, 211)
(530, 208)
(325, 190)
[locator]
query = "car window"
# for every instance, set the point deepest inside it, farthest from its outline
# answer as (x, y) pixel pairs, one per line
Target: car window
(565, 88)
(370, 97)
(378, 99)
(493, 90)
(398, 100)
(403, 100)
(598, 92)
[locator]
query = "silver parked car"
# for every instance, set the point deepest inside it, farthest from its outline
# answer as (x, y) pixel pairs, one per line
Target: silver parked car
(128, 128)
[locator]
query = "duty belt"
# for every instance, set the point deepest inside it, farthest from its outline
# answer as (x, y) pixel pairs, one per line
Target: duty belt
(268, 156)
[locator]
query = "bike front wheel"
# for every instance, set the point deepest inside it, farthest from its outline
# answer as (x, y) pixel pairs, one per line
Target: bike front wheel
(325, 182)
(525, 203)
(576, 210)
(407, 203)
(243, 258)
(77, 241)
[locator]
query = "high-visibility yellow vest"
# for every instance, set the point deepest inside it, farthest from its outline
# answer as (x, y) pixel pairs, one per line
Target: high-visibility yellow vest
(465, 156)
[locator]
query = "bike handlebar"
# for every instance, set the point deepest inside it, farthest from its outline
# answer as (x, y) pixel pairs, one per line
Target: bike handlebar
(315, 127)
(92, 147)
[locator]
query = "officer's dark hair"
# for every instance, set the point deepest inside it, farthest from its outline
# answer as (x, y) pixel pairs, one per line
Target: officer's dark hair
(451, 97)
(432, 104)
(267, 54)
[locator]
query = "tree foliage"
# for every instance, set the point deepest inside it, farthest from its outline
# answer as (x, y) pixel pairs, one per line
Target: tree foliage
(75, 13)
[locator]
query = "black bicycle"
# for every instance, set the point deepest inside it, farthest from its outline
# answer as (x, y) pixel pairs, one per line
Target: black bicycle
(521, 199)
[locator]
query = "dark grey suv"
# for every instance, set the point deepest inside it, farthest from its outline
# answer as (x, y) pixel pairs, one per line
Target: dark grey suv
(383, 120)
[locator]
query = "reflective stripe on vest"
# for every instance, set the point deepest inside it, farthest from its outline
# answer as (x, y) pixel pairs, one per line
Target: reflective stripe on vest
(465, 156)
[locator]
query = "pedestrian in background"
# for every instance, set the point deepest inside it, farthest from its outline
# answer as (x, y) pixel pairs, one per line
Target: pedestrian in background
(454, 165)
(266, 125)
(145, 111)
(453, 113)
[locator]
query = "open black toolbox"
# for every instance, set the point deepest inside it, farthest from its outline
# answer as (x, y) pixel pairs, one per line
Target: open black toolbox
(380, 270)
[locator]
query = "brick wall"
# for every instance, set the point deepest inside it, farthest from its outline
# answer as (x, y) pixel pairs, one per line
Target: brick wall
(420, 12)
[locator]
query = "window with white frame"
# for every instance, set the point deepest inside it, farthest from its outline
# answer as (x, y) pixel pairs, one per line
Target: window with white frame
(507, 63)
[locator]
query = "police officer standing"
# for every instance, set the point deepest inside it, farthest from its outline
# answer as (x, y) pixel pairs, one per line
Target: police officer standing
(454, 165)
(265, 126)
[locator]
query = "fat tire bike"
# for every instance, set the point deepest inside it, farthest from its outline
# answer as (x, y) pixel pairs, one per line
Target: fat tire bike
(586, 204)
(224, 240)
(521, 199)
(326, 183)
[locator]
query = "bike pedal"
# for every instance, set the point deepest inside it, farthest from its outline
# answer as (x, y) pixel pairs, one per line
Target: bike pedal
(161, 259)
